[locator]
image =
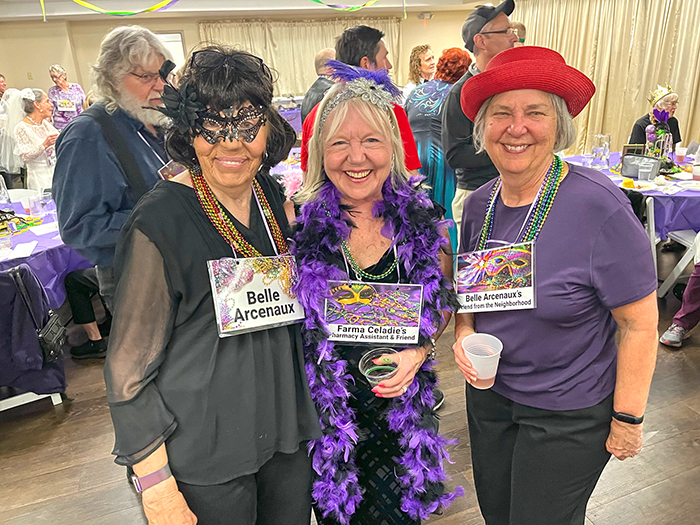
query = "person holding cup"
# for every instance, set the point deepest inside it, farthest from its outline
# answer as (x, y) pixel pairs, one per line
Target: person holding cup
(565, 395)
(365, 221)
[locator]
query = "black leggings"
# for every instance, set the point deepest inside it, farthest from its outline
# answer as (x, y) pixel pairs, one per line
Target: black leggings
(278, 494)
(534, 466)
(81, 285)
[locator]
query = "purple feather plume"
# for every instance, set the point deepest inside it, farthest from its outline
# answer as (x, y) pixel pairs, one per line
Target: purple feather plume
(344, 73)
(419, 469)
(661, 116)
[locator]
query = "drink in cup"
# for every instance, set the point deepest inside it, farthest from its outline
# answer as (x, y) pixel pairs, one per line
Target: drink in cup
(377, 366)
(680, 154)
(484, 352)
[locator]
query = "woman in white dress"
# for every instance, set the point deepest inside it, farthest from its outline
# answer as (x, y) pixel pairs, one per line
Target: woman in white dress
(35, 139)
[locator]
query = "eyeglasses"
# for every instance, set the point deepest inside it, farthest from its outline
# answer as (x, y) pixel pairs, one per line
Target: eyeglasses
(146, 78)
(510, 31)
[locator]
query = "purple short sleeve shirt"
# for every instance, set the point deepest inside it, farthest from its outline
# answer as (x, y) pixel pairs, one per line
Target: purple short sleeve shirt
(592, 256)
(66, 104)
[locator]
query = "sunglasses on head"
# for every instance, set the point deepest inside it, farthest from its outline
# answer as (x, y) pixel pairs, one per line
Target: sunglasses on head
(211, 59)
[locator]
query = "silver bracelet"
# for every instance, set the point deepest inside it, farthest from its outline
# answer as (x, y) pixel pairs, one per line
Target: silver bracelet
(431, 354)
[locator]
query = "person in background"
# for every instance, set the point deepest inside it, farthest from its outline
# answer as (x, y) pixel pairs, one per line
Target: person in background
(486, 32)
(35, 139)
(216, 428)
(663, 98)
(689, 315)
(97, 183)
(11, 114)
(421, 68)
(3, 85)
(363, 218)
(363, 46)
(67, 98)
(321, 84)
(522, 32)
(81, 286)
(424, 108)
(566, 396)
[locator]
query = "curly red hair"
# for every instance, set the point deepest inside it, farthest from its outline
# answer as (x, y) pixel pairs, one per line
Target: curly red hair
(452, 65)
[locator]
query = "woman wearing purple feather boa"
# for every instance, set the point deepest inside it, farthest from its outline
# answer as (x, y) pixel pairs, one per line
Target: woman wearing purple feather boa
(380, 460)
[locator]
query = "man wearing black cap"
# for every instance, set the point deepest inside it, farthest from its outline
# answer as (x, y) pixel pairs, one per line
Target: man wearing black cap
(486, 32)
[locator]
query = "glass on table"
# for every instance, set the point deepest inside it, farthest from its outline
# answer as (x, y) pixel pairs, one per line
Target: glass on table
(601, 151)
(5, 242)
(587, 160)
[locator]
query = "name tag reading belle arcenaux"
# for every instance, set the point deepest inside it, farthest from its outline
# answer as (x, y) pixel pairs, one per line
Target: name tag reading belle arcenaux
(254, 293)
(499, 279)
(362, 312)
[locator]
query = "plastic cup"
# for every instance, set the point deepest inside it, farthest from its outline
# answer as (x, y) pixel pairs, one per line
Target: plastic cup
(5, 243)
(378, 371)
(680, 154)
(484, 351)
(587, 160)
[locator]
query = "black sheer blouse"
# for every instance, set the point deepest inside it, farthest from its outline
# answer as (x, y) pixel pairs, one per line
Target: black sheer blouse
(223, 406)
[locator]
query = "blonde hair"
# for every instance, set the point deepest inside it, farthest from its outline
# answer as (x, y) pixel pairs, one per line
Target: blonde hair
(414, 63)
(384, 122)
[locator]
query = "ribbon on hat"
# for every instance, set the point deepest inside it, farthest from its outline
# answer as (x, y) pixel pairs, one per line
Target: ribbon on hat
(27, 94)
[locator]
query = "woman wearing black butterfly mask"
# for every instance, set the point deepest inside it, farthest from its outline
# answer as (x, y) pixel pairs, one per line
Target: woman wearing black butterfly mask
(205, 373)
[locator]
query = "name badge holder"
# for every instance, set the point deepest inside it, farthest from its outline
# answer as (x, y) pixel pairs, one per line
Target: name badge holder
(368, 313)
(254, 293)
(66, 105)
(497, 279)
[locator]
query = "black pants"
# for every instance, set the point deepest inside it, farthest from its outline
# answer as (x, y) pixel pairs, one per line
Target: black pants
(534, 466)
(108, 285)
(278, 494)
(81, 285)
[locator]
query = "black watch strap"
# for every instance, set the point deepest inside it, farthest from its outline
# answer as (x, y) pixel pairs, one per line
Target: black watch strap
(627, 418)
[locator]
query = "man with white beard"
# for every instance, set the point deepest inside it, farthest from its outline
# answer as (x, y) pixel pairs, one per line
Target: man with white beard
(109, 155)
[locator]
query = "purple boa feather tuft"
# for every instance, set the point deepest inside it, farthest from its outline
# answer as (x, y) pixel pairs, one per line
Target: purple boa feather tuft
(346, 73)
(661, 116)
(419, 469)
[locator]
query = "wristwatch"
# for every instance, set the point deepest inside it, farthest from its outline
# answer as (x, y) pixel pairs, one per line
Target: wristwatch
(146, 482)
(627, 418)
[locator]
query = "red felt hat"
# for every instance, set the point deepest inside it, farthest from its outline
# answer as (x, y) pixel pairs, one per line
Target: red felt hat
(528, 67)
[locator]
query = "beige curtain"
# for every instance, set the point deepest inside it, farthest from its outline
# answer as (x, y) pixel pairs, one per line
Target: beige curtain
(290, 47)
(626, 47)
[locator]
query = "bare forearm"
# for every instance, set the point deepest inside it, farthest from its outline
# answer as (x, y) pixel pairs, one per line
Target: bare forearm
(464, 325)
(636, 360)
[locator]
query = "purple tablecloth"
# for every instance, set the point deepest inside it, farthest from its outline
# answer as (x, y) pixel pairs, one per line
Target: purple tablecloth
(680, 211)
(51, 261)
(293, 116)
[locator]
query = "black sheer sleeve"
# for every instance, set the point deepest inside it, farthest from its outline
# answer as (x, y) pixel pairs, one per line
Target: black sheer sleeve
(141, 330)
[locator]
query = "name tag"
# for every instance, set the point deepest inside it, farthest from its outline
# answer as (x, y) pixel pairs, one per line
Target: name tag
(65, 105)
(502, 278)
(171, 169)
(360, 312)
(254, 294)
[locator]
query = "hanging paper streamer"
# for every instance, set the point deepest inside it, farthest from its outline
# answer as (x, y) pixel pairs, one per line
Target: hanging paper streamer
(160, 6)
(349, 8)
(43, 9)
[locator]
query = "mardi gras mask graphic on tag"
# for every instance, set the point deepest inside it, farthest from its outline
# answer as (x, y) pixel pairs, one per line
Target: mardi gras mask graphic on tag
(352, 293)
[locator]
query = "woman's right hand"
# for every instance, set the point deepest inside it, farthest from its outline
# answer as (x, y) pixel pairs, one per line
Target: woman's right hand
(50, 140)
(463, 363)
(164, 504)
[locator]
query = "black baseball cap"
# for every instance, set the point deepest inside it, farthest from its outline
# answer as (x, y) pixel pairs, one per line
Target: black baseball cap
(480, 17)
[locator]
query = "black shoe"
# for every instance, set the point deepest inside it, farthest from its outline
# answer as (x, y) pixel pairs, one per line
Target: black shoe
(672, 246)
(439, 399)
(90, 350)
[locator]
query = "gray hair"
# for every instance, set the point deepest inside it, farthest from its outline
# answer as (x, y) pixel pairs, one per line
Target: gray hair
(565, 133)
(57, 68)
(121, 50)
(28, 105)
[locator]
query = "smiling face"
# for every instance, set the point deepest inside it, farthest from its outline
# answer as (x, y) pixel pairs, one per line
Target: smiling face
(356, 157)
(231, 165)
(519, 133)
(427, 65)
(44, 107)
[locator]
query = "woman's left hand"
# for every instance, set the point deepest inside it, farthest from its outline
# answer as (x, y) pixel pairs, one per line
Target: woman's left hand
(624, 440)
(409, 361)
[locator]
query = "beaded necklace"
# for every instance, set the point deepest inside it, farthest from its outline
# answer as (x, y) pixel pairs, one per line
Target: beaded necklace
(214, 211)
(539, 210)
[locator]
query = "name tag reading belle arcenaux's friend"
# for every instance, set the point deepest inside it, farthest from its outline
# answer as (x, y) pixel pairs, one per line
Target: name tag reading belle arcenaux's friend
(254, 293)
(502, 278)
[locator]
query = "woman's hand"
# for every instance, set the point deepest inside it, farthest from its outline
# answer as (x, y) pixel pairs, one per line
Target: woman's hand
(164, 504)
(50, 140)
(463, 363)
(624, 440)
(409, 361)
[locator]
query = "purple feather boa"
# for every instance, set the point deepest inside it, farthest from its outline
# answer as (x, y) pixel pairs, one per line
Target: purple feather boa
(419, 470)
(343, 72)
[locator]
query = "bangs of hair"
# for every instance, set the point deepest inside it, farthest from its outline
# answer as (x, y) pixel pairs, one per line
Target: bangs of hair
(373, 115)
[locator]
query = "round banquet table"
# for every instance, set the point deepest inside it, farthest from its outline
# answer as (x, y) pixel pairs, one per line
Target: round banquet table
(51, 260)
(680, 211)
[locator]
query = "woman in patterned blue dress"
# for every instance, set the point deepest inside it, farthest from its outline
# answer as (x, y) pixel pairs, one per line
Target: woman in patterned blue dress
(424, 109)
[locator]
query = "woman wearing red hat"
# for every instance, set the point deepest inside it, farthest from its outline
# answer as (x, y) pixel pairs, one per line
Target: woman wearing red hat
(565, 396)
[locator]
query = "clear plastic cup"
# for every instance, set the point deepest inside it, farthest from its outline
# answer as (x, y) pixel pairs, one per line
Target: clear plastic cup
(484, 351)
(376, 366)
(587, 160)
(680, 154)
